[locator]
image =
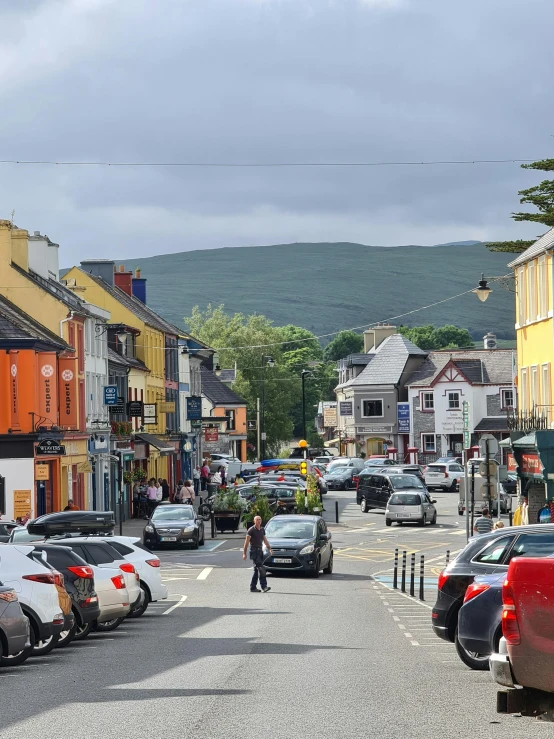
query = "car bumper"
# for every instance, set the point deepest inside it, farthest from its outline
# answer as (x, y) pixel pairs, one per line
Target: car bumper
(107, 613)
(157, 540)
(159, 592)
(304, 563)
(501, 670)
(17, 635)
(479, 646)
(87, 614)
(69, 622)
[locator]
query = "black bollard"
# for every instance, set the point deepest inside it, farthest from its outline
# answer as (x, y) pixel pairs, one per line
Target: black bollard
(403, 582)
(212, 520)
(412, 574)
(421, 577)
(447, 557)
(337, 510)
(395, 573)
(511, 517)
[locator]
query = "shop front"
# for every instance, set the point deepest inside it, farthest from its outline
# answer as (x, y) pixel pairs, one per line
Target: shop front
(99, 452)
(534, 459)
(48, 453)
(17, 480)
(75, 467)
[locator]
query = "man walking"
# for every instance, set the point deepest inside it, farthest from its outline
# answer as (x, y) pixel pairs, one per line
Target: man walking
(255, 536)
(483, 524)
(204, 475)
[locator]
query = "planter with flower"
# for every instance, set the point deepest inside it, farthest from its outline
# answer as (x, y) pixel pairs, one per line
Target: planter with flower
(228, 509)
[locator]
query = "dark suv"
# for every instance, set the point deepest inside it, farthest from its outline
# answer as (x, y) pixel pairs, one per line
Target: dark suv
(375, 488)
(484, 555)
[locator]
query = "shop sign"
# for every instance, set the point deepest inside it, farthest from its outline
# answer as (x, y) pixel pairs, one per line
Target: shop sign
(69, 396)
(403, 415)
(48, 388)
(50, 446)
(150, 414)
(194, 408)
(531, 464)
(14, 394)
(119, 407)
(211, 434)
(21, 503)
(110, 395)
(512, 464)
(329, 415)
(42, 472)
(140, 450)
(135, 408)
(166, 406)
(84, 467)
(346, 408)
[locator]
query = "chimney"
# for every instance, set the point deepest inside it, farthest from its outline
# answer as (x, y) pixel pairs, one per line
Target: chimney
(376, 335)
(20, 248)
(139, 286)
(489, 341)
(43, 256)
(123, 280)
(5, 244)
(103, 268)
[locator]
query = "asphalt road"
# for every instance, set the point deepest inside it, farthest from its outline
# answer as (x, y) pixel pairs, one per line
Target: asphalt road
(341, 656)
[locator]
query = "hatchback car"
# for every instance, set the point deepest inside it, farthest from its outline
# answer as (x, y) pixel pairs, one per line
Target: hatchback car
(340, 478)
(298, 544)
(6, 528)
(446, 475)
(174, 524)
(410, 508)
(487, 554)
(15, 646)
(479, 621)
(375, 488)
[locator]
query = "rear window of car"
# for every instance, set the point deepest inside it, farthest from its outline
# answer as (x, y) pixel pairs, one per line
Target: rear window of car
(101, 554)
(404, 499)
(141, 546)
(537, 544)
(436, 468)
(495, 551)
(121, 548)
(401, 482)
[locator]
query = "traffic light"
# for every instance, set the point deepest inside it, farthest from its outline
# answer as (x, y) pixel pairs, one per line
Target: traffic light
(303, 468)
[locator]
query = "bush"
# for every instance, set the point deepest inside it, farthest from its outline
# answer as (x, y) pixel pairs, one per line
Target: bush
(314, 501)
(259, 506)
(227, 501)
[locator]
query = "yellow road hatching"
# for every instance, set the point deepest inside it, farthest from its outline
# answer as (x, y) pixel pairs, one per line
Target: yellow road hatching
(380, 555)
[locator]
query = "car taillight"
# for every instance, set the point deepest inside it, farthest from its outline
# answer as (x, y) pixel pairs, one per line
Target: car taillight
(83, 571)
(127, 567)
(119, 582)
(446, 474)
(58, 579)
(153, 562)
(9, 596)
(510, 626)
(89, 601)
(475, 589)
(47, 578)
(443, 577)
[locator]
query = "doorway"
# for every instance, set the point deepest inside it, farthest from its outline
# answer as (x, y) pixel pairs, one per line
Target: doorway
(374, 446)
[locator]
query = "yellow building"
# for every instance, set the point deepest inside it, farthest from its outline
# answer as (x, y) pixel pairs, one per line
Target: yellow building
(533, 271)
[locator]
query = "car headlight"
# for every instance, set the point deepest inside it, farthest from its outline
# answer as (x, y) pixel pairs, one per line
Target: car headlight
(149, 529)
(308, 549)
(188, 528)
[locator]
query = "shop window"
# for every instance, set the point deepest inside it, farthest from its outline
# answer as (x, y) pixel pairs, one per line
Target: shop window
(230, 420)
(372, 408)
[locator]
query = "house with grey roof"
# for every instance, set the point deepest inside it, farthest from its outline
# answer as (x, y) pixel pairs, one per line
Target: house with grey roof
(223, 417)
(438, 389)
(367, 399)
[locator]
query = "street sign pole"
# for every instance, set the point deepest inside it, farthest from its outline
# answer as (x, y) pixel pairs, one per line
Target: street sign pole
(258, 447)
(467, 445)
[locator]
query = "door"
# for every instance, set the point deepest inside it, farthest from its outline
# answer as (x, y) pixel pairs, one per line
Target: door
(372, 490)
(374, 446)
(385, 491)
(323, 545)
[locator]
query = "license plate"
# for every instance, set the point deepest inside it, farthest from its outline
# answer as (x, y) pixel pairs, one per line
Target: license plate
(168, 538)
(282, 561)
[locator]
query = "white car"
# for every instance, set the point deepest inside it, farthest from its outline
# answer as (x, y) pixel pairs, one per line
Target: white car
(444, 475)
(36, 590)
(113, 597)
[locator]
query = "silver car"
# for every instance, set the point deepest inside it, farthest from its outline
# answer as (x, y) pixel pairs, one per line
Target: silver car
(411, 506)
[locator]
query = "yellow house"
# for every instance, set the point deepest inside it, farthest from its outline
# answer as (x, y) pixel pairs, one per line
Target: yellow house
(533, 271)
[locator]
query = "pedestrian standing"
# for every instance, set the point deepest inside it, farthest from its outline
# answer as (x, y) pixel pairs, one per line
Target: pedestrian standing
(152, 496)
(187, 493)
(483, 524)
(160, 492)
(165, 490)
(177, 498)
(256, 537)
(71, 506)
(196, 480)
(223, 475)
(205, 475)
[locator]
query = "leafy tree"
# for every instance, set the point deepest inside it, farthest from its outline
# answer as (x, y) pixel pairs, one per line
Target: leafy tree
(542, 197)
(445, 337)
(344, 343)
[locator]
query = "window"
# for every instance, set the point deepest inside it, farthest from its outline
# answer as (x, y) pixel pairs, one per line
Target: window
(454, 401)
(121, 548)
(543, 288)
(101, 555)
(522, 296)
(372, 408)
(532, 292)
(545, 387)
(427, 402)
(524, 389)
(495, 551)
(230, 420)
(428, 442)
(535, 397)
(507, 398)
(538, 544)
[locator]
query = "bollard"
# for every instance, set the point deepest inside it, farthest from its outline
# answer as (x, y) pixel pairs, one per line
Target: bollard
(447, 557)
(421, 577)
(337, 510)
(395, 574)
(403, 582)
(511, 517)
(412, 574)
(212, 521)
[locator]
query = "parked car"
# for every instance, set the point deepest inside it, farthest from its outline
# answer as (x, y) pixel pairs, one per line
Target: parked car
(174, 524)
(444, 475)
(299, 544)
(6, 528)
(411, 507)
(509, 484)
(376, 487)
(322, 461)
(379, 462)
(15, 645)
(356, 462)
(447, 460)
(405, 469)
(487, 554)
(339, 478)
(479, 621)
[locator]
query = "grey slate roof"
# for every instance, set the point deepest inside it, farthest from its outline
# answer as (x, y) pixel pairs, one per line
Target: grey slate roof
(119, 359)
(481, 367)
(545, 242)
(387, 362)
(217, 391)
(56, 289)
(227, 375)
(492, 424)
(357, 359)
(16, 324)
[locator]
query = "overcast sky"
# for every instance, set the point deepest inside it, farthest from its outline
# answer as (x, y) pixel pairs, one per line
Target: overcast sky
(270, 81)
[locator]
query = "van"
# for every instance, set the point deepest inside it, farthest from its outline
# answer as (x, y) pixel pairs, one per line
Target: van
(375, 488)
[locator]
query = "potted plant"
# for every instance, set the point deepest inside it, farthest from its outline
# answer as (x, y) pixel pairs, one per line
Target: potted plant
(139, 475)
(127, 477)
(259, 506)
(228, 508)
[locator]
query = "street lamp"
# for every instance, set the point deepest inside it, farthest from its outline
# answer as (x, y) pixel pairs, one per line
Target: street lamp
(482, 290)
(269, 362)
(304, 373)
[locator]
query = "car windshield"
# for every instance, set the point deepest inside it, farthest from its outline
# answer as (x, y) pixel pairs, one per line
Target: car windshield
(167, 513)
(404, 482)
(405, 499)
(339, 470)
(19, 535)
(280, 528)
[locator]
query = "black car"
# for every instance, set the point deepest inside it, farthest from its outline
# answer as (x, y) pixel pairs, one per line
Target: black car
(79, 583)
(299, 544)
(375, 487)
(484, 555)
(479, 621)
(175, 525)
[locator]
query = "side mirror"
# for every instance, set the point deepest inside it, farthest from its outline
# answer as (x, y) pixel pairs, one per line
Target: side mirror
(324, 537)
(433, 501)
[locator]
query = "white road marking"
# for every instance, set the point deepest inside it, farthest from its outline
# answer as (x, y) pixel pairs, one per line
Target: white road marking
(204, 574)
(170, 579)
(409, 636)
(176, 605)
(395, 618)
(415, 644)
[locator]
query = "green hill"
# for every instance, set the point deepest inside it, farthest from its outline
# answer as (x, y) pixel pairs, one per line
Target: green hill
(329, 287)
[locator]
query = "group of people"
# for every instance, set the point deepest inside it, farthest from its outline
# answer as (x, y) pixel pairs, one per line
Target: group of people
(159, 491)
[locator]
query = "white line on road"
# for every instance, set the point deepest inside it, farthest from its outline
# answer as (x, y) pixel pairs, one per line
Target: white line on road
(415, 644)
(204, 574)
(395, 618)
(409, 636)
(176, 605)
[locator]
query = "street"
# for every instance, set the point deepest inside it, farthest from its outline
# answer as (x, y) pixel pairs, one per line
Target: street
(342, 655)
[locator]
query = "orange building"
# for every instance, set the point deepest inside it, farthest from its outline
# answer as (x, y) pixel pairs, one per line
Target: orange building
(35, 392)
(219, 401)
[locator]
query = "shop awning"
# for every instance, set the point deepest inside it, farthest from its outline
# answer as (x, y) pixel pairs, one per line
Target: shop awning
(159, 444)
(331, 442)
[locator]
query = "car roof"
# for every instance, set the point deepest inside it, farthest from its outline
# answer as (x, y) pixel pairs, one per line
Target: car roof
(297, 517)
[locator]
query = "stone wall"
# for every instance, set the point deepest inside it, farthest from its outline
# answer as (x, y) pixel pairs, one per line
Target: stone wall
(494, 405)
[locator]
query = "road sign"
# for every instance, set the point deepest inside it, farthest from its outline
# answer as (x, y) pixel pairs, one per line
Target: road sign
(263, 436)
(493, 445)
(467, 440)
(110, 394)
(251, 425)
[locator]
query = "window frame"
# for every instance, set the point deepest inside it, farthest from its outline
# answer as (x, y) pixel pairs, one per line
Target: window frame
(542, 302)
(522, 296)
(373, 400)
(422, 402)
(423, 447)
(458, 395)
(503, 391)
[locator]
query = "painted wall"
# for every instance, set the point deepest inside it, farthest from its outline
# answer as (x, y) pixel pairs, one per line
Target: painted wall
(19, 474)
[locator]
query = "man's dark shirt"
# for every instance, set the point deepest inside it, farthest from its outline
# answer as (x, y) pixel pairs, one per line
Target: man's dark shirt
(256, 537)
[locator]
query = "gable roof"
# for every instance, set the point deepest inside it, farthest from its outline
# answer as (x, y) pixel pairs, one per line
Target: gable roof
(480, 367)
(387, 362)
(227, 375)
(546, 241)
(217, 391)
(16, 325)
(56, 289)
(116, 358)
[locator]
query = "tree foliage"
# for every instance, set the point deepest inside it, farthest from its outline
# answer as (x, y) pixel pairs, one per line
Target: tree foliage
(344, 343)
(431, 338)
(541, 196)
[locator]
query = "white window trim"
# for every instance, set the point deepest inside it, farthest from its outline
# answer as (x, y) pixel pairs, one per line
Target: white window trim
(428, 451)
(503, 405)
(534, 386)
(364, 400)
(422, 401)
(454, 392)
(524, 389)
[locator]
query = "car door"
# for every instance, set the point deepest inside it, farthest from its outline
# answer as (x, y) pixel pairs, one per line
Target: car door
(324, 547)
(373, 489)
(384, 492)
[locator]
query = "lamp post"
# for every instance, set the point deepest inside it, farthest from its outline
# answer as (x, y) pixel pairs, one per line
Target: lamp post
(304, 373)
(270, 363)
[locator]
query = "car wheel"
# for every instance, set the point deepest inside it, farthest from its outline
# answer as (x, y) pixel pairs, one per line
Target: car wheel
(329, 569)
(434, 519)
(44, 647)
(140, 610)
(472, 659)
(66, 637)
(315, 573)
(421, 521)
(363, 506)
(13, 660)
(108, 625)
(83, 631)
(454, 487)
(388, 522)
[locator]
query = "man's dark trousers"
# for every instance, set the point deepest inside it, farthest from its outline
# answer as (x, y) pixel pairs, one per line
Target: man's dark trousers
(257, 557)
